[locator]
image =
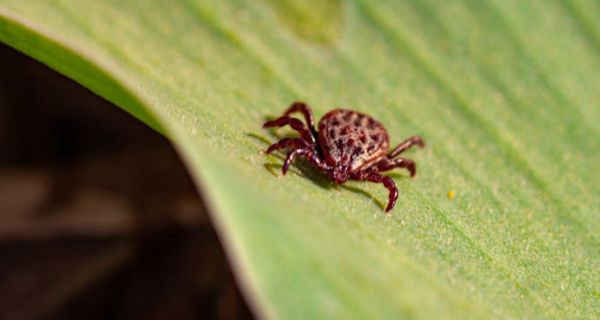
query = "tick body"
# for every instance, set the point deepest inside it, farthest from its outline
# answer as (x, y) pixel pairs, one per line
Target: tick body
(348, 145)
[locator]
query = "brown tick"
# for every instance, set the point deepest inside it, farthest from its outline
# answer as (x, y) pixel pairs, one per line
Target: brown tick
(348, 146)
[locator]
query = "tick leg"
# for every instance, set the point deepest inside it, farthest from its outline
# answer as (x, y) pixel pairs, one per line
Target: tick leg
(388, 183)
(388, 164)
(287, 143)
(306, 111)
(295, 124)
(309, 154)
(405, 145)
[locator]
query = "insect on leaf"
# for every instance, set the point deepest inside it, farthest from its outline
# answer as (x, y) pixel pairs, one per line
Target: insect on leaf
(503, 218)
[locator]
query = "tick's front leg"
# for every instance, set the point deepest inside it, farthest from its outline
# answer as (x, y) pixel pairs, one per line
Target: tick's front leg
(306, 111)
(295, 124)
(307, 153)
(287, 143)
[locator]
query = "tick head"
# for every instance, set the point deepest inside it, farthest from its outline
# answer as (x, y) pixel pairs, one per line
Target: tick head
(340, 174)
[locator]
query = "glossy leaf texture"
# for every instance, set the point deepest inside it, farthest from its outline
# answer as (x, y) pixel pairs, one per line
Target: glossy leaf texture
(503, 218)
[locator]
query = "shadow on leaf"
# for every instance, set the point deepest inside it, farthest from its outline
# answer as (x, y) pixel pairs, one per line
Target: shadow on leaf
(304, 169)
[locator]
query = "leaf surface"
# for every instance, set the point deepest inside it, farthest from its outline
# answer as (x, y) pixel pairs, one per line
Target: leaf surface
(504, 92)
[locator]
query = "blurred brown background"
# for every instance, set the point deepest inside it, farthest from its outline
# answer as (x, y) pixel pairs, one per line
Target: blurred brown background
(98, 217)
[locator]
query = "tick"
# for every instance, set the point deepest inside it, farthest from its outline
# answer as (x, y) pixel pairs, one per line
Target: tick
(349, 145)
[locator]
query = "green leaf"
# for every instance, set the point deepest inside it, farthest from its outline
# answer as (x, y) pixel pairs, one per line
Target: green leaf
(504, 92)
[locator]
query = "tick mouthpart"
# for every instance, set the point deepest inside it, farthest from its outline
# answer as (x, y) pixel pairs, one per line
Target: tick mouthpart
(340, 174)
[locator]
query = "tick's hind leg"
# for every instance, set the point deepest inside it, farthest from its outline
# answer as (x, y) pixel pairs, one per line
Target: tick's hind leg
(405, 145)
(295, 124)
(388, 164)
(306, 111)
(388, 183)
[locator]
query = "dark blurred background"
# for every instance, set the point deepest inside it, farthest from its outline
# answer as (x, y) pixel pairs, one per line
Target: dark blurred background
(98, 217)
